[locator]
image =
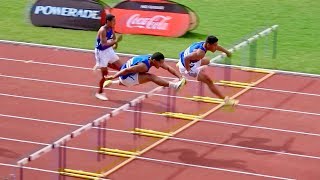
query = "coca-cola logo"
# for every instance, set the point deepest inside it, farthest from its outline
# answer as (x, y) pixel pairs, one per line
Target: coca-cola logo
(157, 22)
(154, 17)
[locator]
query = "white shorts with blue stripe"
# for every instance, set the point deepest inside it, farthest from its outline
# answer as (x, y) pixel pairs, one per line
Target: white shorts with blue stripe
(105, 57)
(195, 68)
(130, 80)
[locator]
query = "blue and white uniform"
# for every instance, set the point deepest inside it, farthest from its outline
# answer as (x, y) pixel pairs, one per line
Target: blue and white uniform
(195, 63)
(132, 79)
(105, 54)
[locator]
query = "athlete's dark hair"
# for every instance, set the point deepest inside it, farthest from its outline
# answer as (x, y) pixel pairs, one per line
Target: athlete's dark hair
(158, 56)
(211, 39)
(110, 17)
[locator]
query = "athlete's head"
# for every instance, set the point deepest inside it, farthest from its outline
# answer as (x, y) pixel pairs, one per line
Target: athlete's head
(157, 59)
(211, 42)
(110, 20)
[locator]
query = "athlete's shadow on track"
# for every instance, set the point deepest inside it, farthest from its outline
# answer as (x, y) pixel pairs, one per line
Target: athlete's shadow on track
(192, 157)
(261, 143)
(8, 154)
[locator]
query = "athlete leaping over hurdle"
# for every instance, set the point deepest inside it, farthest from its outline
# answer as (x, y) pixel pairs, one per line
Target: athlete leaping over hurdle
(135, 71)
(193, 63)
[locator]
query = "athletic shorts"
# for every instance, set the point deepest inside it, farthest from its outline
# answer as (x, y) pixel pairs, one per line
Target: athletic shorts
(105, 57)
(195, 68)
(130, 80)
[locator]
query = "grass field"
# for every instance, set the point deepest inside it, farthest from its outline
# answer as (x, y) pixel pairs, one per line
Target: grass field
(231, 21)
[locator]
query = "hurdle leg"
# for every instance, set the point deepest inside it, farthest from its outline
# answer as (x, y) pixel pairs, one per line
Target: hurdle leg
(99, 141)
(168, 104)
(60, 162)
(139, 115)
(21, 172)
(62, 159)
(201, 94)
(173, 103)
(135, 125)
(201, 89)
(139, 123)
(227, 70)
(172, 108)
(104, 136)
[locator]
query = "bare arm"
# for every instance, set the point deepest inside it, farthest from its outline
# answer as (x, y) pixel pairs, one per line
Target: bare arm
(117, 38)
(103, 38)
(133, 69)
(220, 48)
(198, 54)
(114, 35)
(171, 70)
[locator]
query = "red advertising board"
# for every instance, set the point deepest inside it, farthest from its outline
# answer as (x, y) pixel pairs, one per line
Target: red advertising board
(153, 17)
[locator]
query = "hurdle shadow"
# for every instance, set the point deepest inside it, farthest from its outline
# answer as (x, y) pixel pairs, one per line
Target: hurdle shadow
(120, 102)
(144, 104)
(192, 157)
(8, 153)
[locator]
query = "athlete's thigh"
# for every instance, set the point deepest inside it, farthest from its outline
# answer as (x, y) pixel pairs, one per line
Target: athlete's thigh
(112, 56)
(100, 56)
(116, 65)
(205, 61)
(145, 77)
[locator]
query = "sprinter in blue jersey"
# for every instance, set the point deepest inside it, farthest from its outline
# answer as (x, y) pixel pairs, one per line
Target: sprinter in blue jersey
(135, 71)
(193, 62)
(104, 53)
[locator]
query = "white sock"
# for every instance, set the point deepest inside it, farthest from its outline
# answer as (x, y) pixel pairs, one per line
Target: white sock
(116, 82)
(173, 85)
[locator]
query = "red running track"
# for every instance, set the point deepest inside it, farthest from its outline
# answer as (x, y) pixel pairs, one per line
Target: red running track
(43, 102)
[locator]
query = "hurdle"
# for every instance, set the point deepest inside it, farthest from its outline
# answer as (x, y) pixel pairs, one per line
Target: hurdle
(235, 84)
(151, 133)
(180, 115)
(81, 174)
(255, 70)
(117, 152)
(206, 99)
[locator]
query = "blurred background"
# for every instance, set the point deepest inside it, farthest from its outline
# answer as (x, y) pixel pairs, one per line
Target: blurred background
(298, 37)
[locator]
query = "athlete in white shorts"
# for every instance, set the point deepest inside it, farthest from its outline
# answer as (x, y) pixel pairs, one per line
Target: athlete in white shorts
(193, 62)
(104, 53)
(135, 71)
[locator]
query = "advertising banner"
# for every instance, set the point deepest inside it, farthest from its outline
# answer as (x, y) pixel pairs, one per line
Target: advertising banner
(153, 17)
(72, 14)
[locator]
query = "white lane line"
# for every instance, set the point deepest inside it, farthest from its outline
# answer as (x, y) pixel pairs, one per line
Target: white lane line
(37, 169)
(155, 114)
(138, 92)
(86, 127)
(177, 163)
(131, 55)
(278, 109)
(104, 107)
(85, 68)
(174, 138)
